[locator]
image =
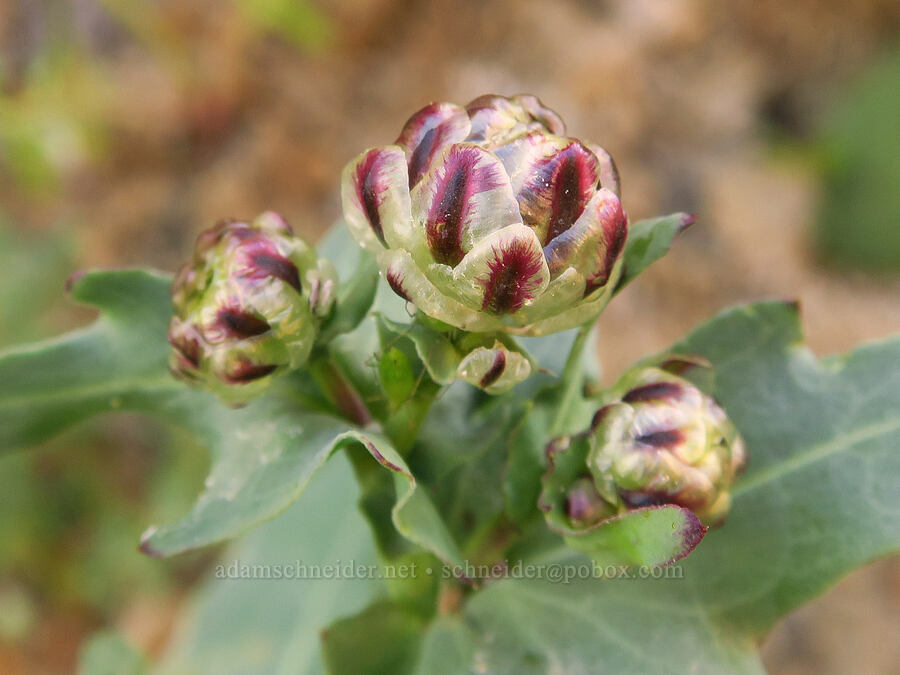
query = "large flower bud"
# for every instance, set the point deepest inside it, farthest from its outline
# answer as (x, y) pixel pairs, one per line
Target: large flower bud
(490, 218)
(247, 306)
(665, 442)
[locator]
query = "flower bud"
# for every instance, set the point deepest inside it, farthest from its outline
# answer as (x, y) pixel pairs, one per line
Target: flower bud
(489, 218)
(495, 368)
(584, 505)
(665, 442)
(247, 306)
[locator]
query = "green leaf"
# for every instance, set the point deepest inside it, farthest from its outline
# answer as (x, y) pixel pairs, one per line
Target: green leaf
(355, 297)
(117, 363)
(819, 499)
(435, 350)
(263, 455)
(651, 536)
(266, 458)
(555, 408)
(460, 457)
(481, 456)
(270, 625)
(398, 641)
(600, 626)
(109, 654)
(820, 494)
(384, 638)
(648, 241)
(414, 515)
(526, 460)
(397, 377)
(446, 648)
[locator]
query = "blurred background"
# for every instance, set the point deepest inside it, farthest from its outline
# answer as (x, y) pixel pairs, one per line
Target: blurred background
(127, 126)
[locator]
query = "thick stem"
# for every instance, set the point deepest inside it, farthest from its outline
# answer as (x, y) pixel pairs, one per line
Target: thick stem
(338, 389)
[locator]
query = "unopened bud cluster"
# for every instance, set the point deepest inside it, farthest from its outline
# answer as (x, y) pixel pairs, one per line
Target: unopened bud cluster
(660, 441)
(489, 218)
(247, 306)
(666, 441)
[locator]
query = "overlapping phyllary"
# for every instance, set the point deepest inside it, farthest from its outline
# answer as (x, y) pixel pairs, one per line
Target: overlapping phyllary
(489, 217)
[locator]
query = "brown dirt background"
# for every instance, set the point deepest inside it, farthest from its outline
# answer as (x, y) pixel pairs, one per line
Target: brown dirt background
(211, 117)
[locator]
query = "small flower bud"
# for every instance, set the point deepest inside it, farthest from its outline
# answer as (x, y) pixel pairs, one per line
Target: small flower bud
(247, 306)
(665, 442)
(584, 505)
(495, 369)
(489, 218)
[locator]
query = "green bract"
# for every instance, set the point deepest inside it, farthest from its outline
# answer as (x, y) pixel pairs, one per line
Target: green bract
(248, 305)
(493, 362)
(489, 218)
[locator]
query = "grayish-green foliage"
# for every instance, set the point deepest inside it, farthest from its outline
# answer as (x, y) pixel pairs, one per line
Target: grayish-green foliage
(648, 241)
(818, 499)
(245, 620)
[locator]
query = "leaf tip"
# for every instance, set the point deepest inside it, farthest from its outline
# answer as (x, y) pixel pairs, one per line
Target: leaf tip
(74, 278)
(384, 461)
(146, 547)
(692, 532)
(687, 219)
(792, 305)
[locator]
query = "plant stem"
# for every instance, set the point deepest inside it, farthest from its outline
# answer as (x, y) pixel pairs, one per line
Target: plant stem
(402, 425)
(572, 380)
(338, 389)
